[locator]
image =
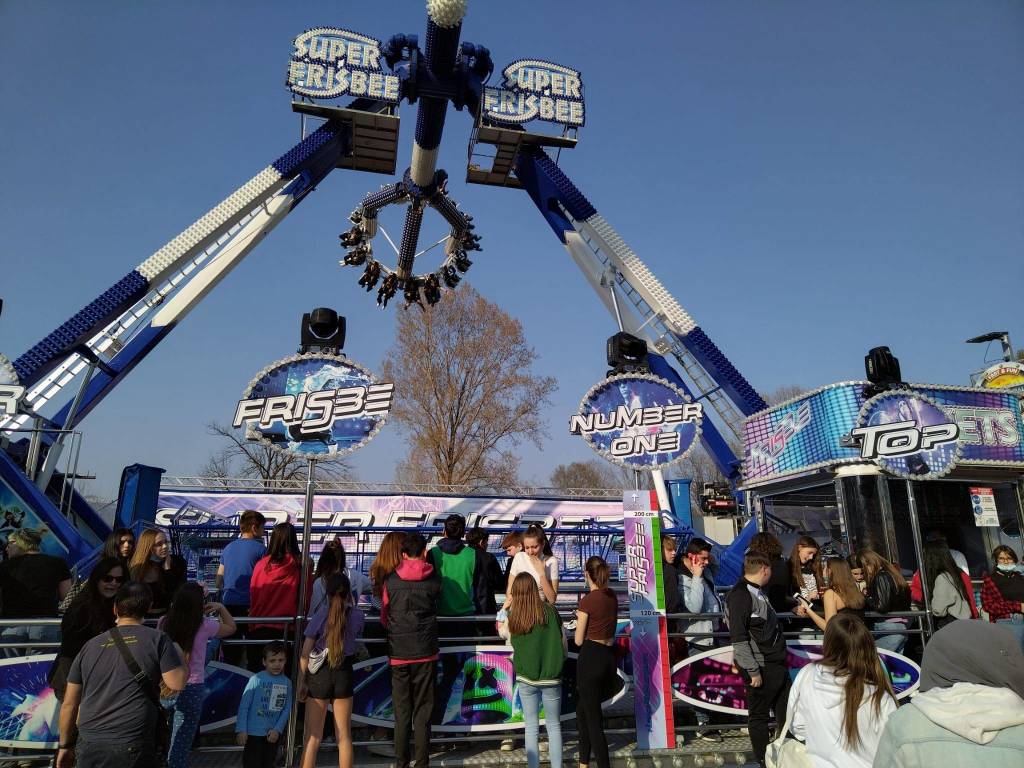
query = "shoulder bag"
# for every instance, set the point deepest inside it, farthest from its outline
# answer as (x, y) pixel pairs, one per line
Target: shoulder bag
(787, 751)
(151, 689)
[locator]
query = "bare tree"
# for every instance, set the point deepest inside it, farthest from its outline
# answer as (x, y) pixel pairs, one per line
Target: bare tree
(596, 473)
(255, 460)
(782, 394)
(465, 394)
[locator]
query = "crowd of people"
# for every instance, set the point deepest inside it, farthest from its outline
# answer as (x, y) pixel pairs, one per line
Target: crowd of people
(133, 693)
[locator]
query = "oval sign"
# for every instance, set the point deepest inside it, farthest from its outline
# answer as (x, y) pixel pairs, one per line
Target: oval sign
(909, 435)
(638, 421)
(314, 406)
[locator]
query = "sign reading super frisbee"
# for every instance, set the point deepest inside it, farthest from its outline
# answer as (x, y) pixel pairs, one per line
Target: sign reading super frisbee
(314, 406)
(638, 421)
(328, 63)
(537, 90)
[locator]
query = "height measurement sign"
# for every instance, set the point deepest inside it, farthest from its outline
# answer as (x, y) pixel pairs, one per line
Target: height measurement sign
(638, 421)
(314, 406)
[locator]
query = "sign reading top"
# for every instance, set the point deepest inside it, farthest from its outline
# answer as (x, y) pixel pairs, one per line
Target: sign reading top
(537, 90)
(328, 63)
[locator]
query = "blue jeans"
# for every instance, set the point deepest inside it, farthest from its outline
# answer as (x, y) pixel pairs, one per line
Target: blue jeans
(892, 643)
(1016, 628)
(29, 633)
(187, 709)
(531, 696)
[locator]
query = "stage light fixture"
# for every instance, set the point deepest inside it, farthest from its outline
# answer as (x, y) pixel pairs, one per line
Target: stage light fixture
(627, 353)
(322, 329)
(882, 370)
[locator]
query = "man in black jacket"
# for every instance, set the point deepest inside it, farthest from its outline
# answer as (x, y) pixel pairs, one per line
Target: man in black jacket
(409, 614)
(758, 649)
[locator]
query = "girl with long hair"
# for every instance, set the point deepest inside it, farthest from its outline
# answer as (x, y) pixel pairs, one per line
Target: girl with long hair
(887, 592)
(274, 587)
(188, 626)
(91, 613)
(334, 560)
(152, 564)
(840, 704)
(842, 594)
(326, 676)
(950, 598)
(537, 561)
(596, 672)
(538, 655)
(389, 557)
(805, 572)
(121, 544)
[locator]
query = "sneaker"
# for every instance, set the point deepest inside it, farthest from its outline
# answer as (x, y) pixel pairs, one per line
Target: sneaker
(711, 736)
(507, 745)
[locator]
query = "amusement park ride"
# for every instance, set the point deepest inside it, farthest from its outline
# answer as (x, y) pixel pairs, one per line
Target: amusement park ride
(85, 358)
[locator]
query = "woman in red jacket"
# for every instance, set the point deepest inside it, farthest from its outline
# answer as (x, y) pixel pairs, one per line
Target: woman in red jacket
(274, 587)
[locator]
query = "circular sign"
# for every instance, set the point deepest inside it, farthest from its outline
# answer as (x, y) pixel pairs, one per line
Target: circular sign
(638, 421)
(909, 435)
(1004, 375)
(314, 406)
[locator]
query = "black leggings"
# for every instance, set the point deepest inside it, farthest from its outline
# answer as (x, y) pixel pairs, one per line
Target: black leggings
(595, 682)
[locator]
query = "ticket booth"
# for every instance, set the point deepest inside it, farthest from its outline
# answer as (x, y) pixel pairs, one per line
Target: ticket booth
(855, 466)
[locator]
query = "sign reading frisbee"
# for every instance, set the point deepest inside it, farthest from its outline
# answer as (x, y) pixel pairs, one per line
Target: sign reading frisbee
(908, 435)
(315, 405)
(329, 62)
(537, 90)
(638, 421)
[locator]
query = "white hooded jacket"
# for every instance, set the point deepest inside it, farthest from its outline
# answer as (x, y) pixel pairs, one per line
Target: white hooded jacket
(816, 717)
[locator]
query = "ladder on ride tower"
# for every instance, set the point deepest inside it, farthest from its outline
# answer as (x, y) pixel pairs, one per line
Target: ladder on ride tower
(662, 318)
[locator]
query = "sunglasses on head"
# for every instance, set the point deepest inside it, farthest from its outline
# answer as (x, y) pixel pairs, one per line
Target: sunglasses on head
(109, 579)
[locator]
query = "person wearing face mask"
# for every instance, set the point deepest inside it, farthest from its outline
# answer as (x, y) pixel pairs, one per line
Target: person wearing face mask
(1002, 592)
(153, 565)
(969, 710)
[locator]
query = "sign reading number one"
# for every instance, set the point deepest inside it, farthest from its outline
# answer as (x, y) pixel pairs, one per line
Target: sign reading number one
(652, 675)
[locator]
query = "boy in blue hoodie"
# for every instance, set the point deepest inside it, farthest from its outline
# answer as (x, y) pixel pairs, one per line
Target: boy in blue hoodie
(263, 711)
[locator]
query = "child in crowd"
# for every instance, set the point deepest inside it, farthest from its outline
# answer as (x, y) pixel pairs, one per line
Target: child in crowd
(263, 711)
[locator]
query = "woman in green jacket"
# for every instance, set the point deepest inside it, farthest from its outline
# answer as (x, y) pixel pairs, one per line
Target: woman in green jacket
(538, 656)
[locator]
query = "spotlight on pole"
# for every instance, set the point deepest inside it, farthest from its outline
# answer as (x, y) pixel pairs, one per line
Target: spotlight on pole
(627, 353)
(322, 329)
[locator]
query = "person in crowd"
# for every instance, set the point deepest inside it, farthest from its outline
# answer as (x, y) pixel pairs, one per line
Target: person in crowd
(596, 673)
(887, 592)
(389, 557)
(1002, 592)
(842, 595)
(969, 710)
(333, 559)
(538, 655)
(463, 573)
(274, 587)
(477, 538)
(409, 615)
(950, 590)
(153, 564)
(857, 572)
(537, 561)
(956, 554)
(108, 717)
(187, 624)
(32, 585)
(326, 677)
(264, 709)
(234, 575)
(120, 543)
(673, 603)
(699, 596)
(806, 576)
(512, 544)
(778, 588)
(839, 705)
(759, 649)
(91, 613)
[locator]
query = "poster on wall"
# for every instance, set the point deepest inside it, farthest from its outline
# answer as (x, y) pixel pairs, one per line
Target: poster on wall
(983, 502)
(16, 514)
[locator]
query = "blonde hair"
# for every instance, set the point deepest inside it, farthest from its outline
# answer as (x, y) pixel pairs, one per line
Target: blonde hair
(28, 539)
(527, 610)
(140, 561)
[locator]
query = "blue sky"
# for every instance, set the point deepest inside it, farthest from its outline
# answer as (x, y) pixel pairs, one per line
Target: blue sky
(809, 179)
